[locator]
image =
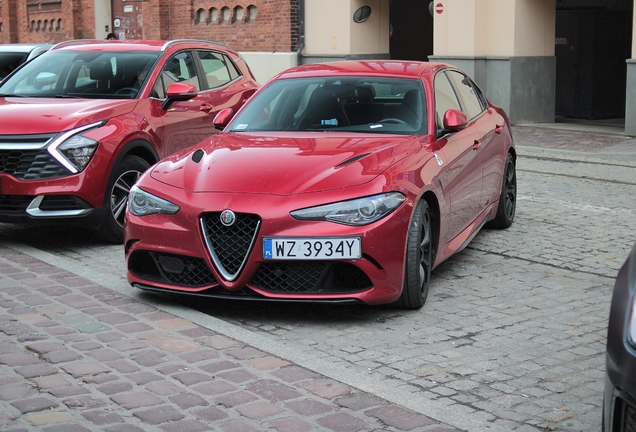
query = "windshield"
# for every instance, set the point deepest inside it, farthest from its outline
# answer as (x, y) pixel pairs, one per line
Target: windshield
(9, 61)
(87, 75)
(353, 104)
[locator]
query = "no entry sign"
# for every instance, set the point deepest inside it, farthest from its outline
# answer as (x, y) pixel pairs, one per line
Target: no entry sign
(439, 8)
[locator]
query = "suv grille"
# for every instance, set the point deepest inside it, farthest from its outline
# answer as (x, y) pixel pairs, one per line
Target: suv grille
(229, 246)
(27, 164)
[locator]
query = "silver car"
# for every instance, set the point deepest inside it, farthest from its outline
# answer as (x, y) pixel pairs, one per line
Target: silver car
(13, 55)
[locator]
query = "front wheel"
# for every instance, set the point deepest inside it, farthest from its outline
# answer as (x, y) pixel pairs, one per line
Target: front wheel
(419, 259)
(508, 197)
(121, 180)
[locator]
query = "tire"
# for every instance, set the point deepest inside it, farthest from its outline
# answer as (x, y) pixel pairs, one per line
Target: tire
(508, 197)
(122, 178)
(419, 259)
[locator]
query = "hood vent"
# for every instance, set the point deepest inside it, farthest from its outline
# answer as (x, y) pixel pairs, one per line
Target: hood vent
(353, 159)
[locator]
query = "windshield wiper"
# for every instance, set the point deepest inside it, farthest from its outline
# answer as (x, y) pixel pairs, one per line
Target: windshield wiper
(12, 95)
(66, 96)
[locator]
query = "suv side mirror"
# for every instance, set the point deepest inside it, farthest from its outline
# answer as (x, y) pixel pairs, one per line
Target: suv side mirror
(223, 117)
(179, 92)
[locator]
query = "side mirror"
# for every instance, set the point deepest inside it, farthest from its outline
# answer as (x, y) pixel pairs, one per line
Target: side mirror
(455, 119)
(179, 92)
(44, 79)
(223, 117)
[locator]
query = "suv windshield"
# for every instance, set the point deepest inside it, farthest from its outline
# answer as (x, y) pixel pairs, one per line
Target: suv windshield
(96, 75)
(353, 104)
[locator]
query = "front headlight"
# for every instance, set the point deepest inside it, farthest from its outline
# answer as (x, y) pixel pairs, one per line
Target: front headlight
(141, 203)
(73, 150)
(357, 212)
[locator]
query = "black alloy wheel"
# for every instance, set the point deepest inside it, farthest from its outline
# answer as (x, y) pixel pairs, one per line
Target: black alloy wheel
(508, 198)
(419, 259)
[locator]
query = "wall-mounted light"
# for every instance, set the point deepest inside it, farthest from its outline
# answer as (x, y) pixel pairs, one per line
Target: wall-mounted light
(362, 14)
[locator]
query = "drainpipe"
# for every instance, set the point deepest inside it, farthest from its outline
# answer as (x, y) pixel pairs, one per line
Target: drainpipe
(301, 31)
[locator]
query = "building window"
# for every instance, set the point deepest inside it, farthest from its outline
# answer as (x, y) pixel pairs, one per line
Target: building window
(226, 14)
(239, 14)
(201, 16)
(214, 15)
(251, 13)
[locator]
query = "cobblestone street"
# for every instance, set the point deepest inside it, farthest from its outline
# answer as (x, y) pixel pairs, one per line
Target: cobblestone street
(512, 337)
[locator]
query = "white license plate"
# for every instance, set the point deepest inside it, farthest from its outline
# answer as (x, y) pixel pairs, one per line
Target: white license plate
(311, 248)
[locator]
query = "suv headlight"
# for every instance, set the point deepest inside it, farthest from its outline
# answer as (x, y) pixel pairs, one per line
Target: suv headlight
(142, 203)
(357, 212)
(73, 150)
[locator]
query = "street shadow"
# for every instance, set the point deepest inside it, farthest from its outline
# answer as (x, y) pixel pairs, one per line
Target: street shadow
(45, 236)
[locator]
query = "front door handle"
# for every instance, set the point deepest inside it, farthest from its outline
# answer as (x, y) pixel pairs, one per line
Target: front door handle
(206, 107)
(476, 144)
(498, 129)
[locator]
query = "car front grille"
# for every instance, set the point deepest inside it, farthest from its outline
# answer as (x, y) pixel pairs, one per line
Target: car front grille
(229, 246)
(171, 269)
(311, 277)
(16, 204)
(29, 164)
(13, 204)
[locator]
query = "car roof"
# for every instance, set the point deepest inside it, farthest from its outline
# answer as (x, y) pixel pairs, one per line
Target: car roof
(138, 45)
(22, 47)
(390, 68)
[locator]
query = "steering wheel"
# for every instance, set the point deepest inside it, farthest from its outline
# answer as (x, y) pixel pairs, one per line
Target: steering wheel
(393, 120)
(129, 90)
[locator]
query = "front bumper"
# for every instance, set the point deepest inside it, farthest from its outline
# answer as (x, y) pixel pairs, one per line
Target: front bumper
(168, 252)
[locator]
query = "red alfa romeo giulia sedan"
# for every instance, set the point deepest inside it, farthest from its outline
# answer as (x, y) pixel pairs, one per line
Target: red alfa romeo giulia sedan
(336, 182)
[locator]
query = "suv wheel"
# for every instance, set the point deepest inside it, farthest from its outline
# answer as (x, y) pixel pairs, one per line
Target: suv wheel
(122, 178)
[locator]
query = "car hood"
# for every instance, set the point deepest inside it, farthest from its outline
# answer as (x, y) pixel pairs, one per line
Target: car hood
(45, 115)
(283, 163)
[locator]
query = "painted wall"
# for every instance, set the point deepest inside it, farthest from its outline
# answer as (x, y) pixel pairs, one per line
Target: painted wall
(102, 18)
(331, 32)
(495, 28)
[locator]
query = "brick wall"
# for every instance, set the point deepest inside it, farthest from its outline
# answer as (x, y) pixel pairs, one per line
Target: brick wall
(251, 25)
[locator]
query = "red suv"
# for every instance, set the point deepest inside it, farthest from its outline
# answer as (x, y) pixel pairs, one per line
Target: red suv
(81, 122)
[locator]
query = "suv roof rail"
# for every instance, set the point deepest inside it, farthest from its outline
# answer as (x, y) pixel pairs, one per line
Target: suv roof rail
(71, 42)
(172, 42)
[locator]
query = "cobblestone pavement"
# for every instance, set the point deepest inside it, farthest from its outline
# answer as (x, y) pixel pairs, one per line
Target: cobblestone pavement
(512, 337)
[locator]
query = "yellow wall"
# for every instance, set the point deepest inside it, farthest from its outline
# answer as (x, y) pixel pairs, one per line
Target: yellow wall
(634, 33)
(331, 31)
(372, 35)
(327, 27)
(508, 28)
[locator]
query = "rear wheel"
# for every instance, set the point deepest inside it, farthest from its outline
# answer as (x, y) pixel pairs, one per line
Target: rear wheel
(122, 178)
(508, 198)
(419, 259)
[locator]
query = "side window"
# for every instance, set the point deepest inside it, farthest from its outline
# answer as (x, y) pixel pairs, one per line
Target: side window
(179, 68)
(468, 93)
(219, 69)
(445, 97)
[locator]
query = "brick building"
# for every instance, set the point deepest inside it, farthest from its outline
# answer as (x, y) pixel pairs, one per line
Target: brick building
(256, 25)
(538, 59)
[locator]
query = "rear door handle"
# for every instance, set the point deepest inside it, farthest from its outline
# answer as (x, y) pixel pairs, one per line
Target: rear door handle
(476, 144)
(498, 129)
